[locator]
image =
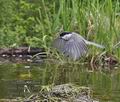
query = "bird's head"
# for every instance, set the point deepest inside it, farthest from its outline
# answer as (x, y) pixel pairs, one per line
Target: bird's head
(66, 35)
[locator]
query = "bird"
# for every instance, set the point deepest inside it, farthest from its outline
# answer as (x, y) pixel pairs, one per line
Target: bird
(73, 45)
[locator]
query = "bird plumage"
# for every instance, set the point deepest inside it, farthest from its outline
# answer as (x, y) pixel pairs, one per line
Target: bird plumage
(94, 44)
(73, 45)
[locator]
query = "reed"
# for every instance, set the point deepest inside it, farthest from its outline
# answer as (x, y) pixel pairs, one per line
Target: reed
(96, 20)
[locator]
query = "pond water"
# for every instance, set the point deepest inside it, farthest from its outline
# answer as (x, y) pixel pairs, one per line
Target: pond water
(13, 78)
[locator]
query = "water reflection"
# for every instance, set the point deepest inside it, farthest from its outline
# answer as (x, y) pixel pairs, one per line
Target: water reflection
(14, 77)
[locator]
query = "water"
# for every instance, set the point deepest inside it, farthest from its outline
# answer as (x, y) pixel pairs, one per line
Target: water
(13, 78)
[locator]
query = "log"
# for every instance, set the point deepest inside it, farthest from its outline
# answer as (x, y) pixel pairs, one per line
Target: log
(21, 51)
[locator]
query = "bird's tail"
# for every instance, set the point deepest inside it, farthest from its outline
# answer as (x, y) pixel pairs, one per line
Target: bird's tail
(94, 44)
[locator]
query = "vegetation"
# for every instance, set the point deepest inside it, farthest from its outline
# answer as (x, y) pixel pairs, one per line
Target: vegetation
(37, 22)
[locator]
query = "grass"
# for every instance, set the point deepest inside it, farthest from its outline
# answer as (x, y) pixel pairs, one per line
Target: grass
(96, 20)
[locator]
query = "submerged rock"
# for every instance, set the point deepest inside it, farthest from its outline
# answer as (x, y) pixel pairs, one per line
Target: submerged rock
(61, 90)
(83, 98)
(58, 93)
(63, 93)
(74, 94)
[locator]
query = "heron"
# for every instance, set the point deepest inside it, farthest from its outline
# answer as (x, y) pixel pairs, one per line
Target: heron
(73, 45)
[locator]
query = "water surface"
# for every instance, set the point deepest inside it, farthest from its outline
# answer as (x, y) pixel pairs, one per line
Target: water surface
(13, 78)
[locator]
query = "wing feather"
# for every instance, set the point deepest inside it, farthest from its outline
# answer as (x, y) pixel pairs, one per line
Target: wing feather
(59, 44)
(75, 49)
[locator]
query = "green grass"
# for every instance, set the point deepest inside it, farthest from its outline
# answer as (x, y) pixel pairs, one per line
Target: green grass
(39, 22)
(76, 16)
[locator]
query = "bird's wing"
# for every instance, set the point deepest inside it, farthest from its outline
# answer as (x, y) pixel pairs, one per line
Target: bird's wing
(75, 48)
(59, 44)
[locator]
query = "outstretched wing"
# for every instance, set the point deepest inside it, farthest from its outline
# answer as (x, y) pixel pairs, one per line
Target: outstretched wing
(59, 44)
(75, 48)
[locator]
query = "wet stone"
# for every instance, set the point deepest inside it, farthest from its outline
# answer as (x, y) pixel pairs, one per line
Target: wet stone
(62, 90)
(64, 93)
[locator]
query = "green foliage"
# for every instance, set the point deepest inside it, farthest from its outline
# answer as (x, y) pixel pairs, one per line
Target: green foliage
(36, 22)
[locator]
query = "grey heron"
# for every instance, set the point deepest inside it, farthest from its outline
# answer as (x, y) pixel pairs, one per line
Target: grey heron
(73, 45)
